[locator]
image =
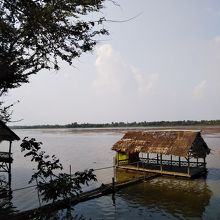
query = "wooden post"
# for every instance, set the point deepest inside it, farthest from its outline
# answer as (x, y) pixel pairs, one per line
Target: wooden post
(115, 173)
(113, 184)
(204, 162)
(171, 160)
(9, 180)
(188, 165)
(10, 143)
(115, 161)
(147, 157)
(161, 167)
(9, 169)
(197, 161)
(113, 190)
(157, 158)
(70, 170)
(179, 162)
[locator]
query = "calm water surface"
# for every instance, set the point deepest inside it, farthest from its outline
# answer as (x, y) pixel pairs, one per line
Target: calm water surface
(161, 198)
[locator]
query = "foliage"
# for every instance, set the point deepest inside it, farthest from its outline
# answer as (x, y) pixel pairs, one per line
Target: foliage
(6, 207)
(3, 186)
(5, 113)
(35, 34)
(53, 185)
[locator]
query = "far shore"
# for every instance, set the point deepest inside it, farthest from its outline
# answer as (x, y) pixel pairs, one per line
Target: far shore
(204, 129)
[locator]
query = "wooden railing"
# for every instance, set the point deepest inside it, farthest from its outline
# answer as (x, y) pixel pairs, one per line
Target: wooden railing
(5, 157)
(171, 162)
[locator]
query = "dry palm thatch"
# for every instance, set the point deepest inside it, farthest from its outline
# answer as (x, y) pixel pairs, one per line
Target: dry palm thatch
(181, 143)
(6, 134)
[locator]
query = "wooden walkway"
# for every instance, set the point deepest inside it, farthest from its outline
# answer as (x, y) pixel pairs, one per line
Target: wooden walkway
(85, 196)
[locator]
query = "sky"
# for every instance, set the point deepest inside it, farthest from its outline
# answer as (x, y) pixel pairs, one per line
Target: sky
(164, 64)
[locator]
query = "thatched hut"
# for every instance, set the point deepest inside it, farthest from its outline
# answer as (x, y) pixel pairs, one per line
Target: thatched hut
(163, 150)
(6, 134)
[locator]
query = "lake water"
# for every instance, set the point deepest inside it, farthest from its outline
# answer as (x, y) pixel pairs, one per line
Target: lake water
(161, 198)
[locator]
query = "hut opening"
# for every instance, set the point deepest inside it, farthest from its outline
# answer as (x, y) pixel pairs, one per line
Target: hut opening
(172, 152)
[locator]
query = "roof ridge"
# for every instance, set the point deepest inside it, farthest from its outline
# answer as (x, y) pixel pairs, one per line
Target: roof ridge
(191, 130)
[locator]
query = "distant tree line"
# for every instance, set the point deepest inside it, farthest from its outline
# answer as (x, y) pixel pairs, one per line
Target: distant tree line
(127, 124)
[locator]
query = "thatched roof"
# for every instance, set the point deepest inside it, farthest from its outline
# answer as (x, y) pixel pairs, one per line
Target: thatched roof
(168, 142)
(6, 134)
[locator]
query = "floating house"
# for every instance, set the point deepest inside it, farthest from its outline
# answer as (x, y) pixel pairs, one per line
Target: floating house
(6, 134)
(170, 152)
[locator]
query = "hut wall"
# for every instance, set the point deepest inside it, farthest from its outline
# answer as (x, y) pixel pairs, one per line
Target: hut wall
(122, 158)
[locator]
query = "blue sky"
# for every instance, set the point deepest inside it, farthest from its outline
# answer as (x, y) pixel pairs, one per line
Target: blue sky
(162, 65)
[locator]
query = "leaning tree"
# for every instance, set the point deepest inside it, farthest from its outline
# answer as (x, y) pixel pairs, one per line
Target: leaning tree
(37, 34)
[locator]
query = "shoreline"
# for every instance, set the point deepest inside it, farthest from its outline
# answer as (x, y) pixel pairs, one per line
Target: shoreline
(205, 129)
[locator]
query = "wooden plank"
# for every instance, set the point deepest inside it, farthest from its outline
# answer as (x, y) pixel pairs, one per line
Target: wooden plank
(194, 171)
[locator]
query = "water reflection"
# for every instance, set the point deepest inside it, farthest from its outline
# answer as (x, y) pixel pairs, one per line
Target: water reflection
(160, 198)
(122, 175)
(177, 197)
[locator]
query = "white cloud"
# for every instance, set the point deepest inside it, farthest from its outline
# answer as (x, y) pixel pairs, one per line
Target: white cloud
(109, 67)
(217, 39)
(114, 75)
(199, 89)
(145, 84)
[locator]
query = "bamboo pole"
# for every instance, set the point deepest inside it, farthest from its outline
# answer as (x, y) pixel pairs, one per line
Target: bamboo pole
(113, 184)
(69, 208)
(70, 170)
(10, 143)
(9, 168)
(188, 159)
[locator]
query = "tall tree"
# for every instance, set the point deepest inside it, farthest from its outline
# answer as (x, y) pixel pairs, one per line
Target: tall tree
(36, 34)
